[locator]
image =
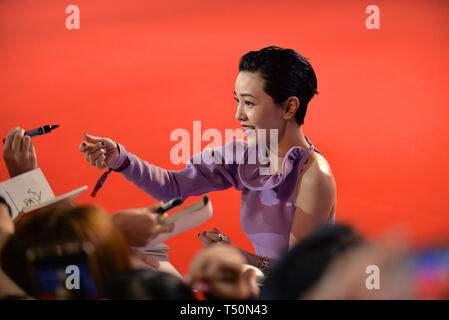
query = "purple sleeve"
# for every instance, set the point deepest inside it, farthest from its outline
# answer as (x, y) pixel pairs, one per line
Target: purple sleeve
(201, 175)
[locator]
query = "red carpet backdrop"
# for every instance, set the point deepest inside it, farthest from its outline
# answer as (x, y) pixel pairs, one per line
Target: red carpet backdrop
(136, 70)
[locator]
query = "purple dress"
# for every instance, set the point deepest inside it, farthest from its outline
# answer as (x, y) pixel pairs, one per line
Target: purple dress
(268, 201)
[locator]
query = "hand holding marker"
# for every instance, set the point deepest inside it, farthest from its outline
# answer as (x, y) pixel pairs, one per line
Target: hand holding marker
(166, 207)
(169, 205)
(39, 131)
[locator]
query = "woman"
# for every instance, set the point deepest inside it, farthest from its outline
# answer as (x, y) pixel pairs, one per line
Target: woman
(272, 90)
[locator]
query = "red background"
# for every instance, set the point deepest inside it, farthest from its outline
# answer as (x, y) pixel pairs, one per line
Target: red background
(137, 70)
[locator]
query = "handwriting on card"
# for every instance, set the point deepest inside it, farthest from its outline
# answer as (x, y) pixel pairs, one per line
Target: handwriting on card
(26, 190)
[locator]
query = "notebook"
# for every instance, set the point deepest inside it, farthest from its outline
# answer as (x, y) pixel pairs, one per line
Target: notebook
(184, 219)
(30, 191)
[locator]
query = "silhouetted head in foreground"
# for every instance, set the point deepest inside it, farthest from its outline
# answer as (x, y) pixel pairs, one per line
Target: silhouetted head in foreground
(147, 285)
(297, 271)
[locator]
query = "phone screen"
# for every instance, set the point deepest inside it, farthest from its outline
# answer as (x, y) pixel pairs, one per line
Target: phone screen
(62, 276)
(430, 273)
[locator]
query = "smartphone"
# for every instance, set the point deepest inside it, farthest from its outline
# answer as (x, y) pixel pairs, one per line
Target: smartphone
(429, 270)
(62, 272)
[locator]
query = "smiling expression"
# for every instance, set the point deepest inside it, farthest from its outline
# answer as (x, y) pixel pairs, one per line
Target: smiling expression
(255, 108)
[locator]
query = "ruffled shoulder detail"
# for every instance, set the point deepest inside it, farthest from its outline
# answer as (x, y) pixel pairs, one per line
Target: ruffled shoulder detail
(256, 176)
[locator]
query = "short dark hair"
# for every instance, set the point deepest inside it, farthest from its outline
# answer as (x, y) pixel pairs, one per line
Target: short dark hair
(146, 285)
(300, 268)
(286, 74)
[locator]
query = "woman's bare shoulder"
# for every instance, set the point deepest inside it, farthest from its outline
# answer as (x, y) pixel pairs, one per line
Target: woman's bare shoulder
(317, 172)
(317, 165)
(316, 192)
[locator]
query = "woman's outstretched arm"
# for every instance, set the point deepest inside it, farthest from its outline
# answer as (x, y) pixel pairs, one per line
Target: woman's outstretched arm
(198, 177)
(203, 173)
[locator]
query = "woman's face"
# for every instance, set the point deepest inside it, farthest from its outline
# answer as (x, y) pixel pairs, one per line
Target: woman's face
(256, 110)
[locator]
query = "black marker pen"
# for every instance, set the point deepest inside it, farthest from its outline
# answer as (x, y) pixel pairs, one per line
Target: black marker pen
(169, 205)
(39, 131)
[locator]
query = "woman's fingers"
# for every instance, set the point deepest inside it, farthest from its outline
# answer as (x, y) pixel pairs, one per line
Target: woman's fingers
(92, 148)
(88, 149)
(100, 162)
(92, 139)
(94, 156)
(209, 237)
(205, 241)
(93, 153)
(216, 230)
(213, 236)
